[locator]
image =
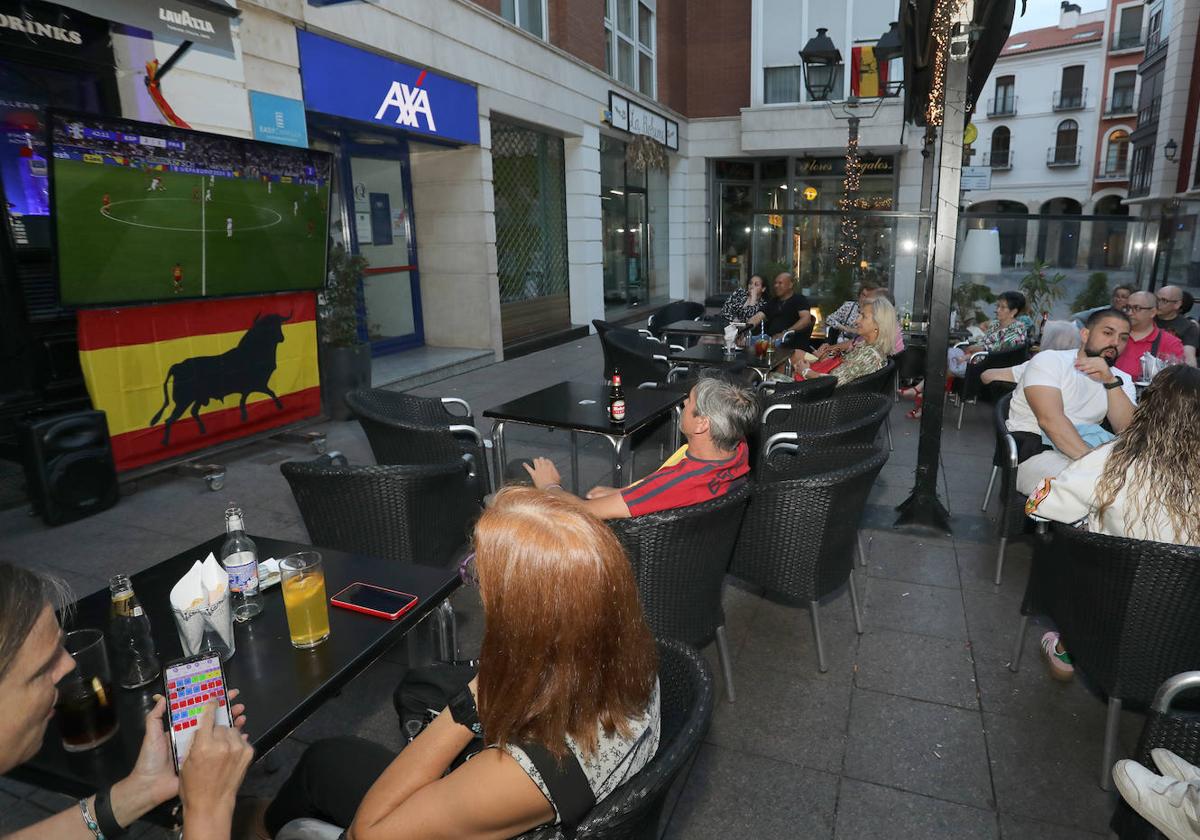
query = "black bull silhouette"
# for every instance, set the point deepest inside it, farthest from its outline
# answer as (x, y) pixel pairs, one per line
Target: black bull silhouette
(245, 370)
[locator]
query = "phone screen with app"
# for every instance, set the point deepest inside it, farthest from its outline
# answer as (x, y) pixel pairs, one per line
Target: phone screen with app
(191, 684)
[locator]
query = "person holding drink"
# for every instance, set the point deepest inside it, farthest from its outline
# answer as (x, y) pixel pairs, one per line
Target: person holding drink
(33, 661)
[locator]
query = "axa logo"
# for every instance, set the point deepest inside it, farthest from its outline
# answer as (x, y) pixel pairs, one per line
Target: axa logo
(182, 18)
(410, 103)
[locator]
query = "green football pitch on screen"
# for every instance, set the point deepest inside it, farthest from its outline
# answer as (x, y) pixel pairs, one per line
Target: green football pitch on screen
(128, 234)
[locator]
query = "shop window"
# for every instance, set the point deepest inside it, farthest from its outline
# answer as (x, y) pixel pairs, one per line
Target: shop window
(629, 38)
(634, 221)
(530, 15)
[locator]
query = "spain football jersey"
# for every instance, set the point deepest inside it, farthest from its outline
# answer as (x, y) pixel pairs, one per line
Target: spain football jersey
(683, 480)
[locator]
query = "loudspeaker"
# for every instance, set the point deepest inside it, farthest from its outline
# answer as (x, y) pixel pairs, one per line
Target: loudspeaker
(69, 466)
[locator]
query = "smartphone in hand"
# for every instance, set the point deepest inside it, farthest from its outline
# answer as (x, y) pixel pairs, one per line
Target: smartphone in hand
(190, 684)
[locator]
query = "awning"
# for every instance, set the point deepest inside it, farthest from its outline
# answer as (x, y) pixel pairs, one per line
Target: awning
(206, 23)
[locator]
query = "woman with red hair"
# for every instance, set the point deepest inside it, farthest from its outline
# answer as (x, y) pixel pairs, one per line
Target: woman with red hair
(568, 669)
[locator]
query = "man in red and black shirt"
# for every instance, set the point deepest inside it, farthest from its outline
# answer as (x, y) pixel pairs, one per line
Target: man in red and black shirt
(716, 416)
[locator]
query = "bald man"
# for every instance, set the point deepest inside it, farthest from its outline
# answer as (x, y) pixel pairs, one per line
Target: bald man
(1170, 300)
(1145, 336)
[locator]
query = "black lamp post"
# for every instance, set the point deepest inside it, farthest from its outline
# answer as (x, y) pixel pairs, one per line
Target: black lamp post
(1170, 150)
(888, 47)
(820, 60)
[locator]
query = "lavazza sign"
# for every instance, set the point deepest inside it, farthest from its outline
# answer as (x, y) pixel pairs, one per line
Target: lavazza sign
(184, 22)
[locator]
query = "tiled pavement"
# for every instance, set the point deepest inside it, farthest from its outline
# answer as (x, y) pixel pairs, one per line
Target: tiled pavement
(918, 729)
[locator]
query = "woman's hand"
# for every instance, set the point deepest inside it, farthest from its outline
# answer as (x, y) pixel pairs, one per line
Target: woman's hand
(211, 775)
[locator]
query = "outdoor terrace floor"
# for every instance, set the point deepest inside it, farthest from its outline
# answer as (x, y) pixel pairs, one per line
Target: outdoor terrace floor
(917, 730)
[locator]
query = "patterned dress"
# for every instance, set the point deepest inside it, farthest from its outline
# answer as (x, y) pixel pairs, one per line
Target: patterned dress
(739, 308)
(1005, 338)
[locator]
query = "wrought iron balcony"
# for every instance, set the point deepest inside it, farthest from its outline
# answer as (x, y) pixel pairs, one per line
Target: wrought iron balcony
(1127, 40)
(1070, 100)
(1063, 155)
(1120, 105)
(999, 159)
(1004, 106)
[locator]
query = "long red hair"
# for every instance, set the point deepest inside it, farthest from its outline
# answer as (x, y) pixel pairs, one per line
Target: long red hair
(565, 643)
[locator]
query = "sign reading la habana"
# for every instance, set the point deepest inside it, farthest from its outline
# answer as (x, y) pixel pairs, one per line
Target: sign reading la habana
(348, 82)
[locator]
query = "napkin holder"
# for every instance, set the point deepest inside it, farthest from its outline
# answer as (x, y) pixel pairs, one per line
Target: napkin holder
(204, 620)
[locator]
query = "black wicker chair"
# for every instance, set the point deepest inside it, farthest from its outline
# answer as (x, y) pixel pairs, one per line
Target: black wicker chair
(633, 811)
(881, 381)
(418, 513)
(679, 310)
(679, 559)
(1174, 729)
(406, 429)
(801, 528)
(843, 418)
(1012, 522)
(972, 382)
(806, 390)
(643, 364)
(1127, 610)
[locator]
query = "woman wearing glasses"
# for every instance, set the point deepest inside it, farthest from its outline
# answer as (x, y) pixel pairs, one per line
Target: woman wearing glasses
(567, 677)
(1145, 336)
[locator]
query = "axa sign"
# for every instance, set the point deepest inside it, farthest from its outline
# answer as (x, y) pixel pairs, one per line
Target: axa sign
(345, 81)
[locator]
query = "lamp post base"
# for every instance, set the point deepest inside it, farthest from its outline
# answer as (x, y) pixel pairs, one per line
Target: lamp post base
(923, 510)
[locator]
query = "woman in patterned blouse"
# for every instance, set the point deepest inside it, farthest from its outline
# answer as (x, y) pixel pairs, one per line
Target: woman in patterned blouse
(745, 303)
(1006, 332)
(877, 328)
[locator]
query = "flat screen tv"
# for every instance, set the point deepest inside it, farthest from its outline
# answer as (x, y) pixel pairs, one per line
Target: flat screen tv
(146, 212)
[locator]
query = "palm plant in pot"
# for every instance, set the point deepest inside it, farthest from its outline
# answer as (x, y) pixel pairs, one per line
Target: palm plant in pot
(345, 357)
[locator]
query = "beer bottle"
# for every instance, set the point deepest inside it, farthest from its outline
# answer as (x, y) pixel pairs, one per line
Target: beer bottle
(616, 399)
(129, 633)
(239, 556)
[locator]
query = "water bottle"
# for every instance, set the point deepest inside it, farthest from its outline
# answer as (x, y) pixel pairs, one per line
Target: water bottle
(239, 556)
(129, 632)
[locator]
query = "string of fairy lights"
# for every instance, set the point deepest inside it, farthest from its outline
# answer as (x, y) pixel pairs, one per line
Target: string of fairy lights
(849, 246)
(941, 27)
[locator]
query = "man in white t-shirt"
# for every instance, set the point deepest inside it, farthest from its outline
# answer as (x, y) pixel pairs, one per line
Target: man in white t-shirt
(1061, 390)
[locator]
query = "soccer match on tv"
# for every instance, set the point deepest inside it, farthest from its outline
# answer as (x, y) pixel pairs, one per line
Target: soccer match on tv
(151, 213)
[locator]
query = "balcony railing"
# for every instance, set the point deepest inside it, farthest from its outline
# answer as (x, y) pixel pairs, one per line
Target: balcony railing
(1127, 40)
(1112, 173)
(1120, 105)
(999, 159)
(1070, 100)
(1063, 155)
(1149, 114)
(1005, 106)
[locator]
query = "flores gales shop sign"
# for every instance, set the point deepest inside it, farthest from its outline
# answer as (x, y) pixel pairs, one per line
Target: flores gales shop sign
(348, 82)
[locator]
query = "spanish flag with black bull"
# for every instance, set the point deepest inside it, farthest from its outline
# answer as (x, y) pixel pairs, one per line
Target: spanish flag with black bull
(177, 377)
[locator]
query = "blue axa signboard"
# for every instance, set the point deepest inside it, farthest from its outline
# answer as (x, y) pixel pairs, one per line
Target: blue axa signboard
(348, 82)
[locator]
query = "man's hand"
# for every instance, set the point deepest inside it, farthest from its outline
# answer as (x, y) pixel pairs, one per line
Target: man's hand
(1096, 369)
(211, 775)
(543, 472)
(600, 491)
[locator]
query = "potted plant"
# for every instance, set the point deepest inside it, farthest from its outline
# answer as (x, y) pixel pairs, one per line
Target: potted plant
(345, 357)
(1042, 290)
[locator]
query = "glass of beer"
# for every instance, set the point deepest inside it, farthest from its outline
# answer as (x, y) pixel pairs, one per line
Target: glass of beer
(86, 706)
(303, 583)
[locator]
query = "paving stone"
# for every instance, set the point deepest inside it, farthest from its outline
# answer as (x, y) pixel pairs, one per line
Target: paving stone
(992, 621)
(782, 638)
(1015, 828)
(920, 747)
(977, 567)
(920, 667)
(17, 813)
(915, 608)
(872, 812)
(735, 794)
(911, 559)
(363, 708)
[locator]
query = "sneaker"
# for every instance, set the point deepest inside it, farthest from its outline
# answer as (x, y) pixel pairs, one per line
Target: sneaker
(1060, 662)
(1169, 804)
(1174, 767)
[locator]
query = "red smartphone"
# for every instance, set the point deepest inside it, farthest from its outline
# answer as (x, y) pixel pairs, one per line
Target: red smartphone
(374, 600)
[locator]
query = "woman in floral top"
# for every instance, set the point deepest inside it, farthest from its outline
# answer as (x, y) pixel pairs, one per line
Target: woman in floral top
(745, 303)
(877, 328)
(1006, 332)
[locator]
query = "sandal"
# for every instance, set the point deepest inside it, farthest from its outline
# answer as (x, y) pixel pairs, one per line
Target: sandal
(908, 391)
(915, 412)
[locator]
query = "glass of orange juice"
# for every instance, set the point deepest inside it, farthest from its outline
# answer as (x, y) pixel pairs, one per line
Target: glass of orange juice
(303, 584)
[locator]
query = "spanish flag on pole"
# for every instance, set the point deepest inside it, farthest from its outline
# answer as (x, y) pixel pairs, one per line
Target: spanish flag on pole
(178, 377)
(868, 78)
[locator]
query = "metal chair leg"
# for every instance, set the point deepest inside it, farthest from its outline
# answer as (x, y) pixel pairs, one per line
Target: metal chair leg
(1111, 725)
(961, 405)
(726, 665)
(887, 424)
(814, 611)
(987, 494)
(858, 628)
(1014, 662)
(447, 632)
(1000, 559)
(862, 555)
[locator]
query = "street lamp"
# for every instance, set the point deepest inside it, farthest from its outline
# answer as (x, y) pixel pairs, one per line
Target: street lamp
(888, 47)
(820, 60)
(1170, 150)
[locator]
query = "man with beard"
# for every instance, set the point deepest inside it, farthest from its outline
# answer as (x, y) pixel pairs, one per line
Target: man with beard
(1063, 396)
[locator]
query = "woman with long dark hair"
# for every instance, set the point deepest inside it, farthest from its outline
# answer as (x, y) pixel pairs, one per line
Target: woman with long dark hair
(568, 668)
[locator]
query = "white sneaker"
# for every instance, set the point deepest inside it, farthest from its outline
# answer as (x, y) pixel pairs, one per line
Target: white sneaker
(1175, 767)
(1172, 806)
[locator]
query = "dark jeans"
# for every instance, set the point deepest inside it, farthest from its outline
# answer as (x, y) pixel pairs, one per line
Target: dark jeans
(329, 782)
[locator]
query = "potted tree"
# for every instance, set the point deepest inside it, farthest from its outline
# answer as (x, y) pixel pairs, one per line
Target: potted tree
(345, 357)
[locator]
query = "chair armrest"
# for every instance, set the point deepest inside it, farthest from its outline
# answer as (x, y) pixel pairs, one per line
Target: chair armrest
(308, 829)
(964, 343)
(659, 357)
(471, 431)
(648, 386)
(771, 409)
(1011, 444)
(779, 440)
(472, 466)
(648, 334)
(677, 348)
(976, 356)
(457, 401)
(786, 335)
(1172, 686)
(677, 371)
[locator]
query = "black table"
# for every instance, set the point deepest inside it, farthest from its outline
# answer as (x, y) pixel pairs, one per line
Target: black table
(280, 685)
(582, 407)
(696, 329)
(714, 355)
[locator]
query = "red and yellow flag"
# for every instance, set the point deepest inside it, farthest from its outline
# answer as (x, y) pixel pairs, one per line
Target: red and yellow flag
(868, 77)
(178, 377)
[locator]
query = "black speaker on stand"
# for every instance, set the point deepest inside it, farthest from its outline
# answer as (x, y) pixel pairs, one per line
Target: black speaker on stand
(69, 465)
